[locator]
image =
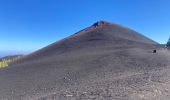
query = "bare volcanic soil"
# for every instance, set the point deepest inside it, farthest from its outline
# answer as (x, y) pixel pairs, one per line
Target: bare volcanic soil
(105, 61)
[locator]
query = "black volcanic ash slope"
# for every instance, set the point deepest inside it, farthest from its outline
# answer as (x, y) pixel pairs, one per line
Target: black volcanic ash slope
(104, 62)
(100, 33)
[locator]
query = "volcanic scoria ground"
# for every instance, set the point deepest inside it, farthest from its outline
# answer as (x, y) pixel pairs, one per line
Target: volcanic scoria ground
(105, 61)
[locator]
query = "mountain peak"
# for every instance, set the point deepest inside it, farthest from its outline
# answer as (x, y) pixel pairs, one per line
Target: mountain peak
(101, 23)
(93, 27)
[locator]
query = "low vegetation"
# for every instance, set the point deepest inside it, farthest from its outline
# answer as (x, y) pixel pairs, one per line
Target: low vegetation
(6, 61)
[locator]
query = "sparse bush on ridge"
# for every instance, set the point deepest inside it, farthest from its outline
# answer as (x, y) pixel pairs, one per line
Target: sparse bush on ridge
(4, 63)
(8, 61)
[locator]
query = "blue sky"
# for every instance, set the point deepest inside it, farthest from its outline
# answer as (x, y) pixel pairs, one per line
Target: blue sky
(28, 25)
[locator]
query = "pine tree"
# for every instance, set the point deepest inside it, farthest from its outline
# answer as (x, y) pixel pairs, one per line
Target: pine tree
(168, 43)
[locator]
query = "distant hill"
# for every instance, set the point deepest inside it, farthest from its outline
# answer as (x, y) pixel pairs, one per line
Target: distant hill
(105, 61)
(11, 57)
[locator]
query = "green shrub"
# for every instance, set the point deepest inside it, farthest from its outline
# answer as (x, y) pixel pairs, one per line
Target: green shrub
(4, 63)
(7, 61)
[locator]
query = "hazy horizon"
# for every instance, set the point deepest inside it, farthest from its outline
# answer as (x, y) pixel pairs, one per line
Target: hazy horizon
(8, 53)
